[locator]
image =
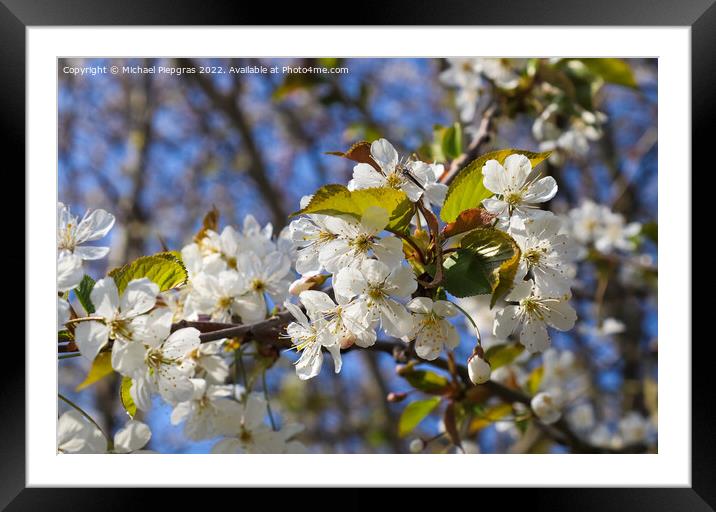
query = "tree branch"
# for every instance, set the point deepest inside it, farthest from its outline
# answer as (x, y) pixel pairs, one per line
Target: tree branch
(257, 168)
(482, 137)
(268, 331)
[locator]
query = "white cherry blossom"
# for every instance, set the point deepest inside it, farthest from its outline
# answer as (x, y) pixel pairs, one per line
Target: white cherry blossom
(519, 188)
(252, 435)
(431, 330)
(309, 337)
(210, 365)
(546, 254)
(75, 434)
(531, 316)
(164, 368)
(267, 275)
(348, 323)
(217, 296)
(357, 241)
(72, 232)
(379, 286)
(119, 318)
(311, 234)
(211, 411)
(392, 172)
(463, 73)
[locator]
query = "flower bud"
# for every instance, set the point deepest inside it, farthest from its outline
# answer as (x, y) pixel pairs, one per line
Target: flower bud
(347, 341)
(308, 282)
(395, 397)
(478, 369)
(545, 407)
(417, 446)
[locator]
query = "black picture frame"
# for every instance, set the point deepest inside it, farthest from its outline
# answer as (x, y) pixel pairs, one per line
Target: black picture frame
(700, 15)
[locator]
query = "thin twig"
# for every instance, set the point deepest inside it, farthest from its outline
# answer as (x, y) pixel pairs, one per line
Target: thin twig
(481, 138)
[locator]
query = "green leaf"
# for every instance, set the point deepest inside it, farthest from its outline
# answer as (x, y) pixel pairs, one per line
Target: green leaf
(64, 336)
(338, 200)
(83, 291)
(414, 413)
(651, 231)
(101, 367)
(165, 269)
(485, 263)
(426, 381)
(451, 143)
(126, 397)
(467, 190)
(489, 416)
(534, 380)
(613, 71)
(503, 354)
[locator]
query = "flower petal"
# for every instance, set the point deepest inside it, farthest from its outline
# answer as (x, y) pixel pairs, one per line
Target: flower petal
(133, 436)
(90, 337)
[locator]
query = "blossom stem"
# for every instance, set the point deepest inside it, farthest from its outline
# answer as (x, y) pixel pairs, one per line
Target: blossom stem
(85, 319)
(83, 413)
(412, 244)
(69, 355)
(268, 401)
(467, 315)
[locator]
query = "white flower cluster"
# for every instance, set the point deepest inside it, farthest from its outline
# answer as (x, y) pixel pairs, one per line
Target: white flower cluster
(372, 284)
(570, 138)
(75, 434)
(233, 273)
(175, 365)
(540, 295)
(72, 233)
(470, 76)
(596, 225)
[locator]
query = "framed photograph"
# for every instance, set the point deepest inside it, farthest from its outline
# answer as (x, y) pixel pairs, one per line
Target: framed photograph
(419, 250)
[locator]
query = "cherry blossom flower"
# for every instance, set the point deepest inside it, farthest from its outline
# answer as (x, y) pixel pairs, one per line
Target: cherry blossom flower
(309, 337)
(357, 241)
(379, 286)
(268, 275)
(464, 74)
(519, 188)
(164, 368)
(217, 296)
(118, 318)
(75, 434)
(531, 316)
(69, 271)
(546, 254)
(73, 232)
(431, 330)
(210, 365)
(211, 412)
(393, 173)
(254, 436)
(348, 323)
(310, 234)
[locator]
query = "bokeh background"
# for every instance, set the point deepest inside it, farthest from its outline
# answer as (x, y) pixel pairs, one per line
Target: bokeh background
(158, 151)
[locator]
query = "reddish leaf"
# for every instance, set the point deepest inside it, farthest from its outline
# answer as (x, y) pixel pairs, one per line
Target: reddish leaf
(451, 424)
(210, 223)
(468, 220)
(358, 152)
